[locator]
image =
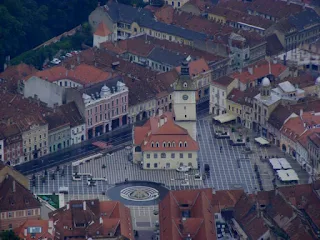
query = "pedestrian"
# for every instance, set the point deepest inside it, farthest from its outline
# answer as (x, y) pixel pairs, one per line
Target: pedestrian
(220, 148)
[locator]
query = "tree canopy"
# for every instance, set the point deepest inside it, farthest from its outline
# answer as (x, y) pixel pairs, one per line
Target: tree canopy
(8, 235)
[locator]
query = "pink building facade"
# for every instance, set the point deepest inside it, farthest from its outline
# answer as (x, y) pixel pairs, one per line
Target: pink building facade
(106, 107)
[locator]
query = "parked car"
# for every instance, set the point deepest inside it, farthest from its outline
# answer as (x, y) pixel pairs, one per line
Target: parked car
(68, 54)
(183, 169)
(76, 177)
(55, 61)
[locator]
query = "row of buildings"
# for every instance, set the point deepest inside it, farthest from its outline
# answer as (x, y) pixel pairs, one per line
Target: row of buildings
(290, 212)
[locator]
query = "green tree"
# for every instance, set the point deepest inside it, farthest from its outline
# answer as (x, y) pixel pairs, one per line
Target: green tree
(8, 235)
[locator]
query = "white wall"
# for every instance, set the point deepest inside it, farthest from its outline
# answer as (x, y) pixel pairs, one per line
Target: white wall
(99, 39)
(218, 99)
(47, 92)
(76, 133)
(1, 150)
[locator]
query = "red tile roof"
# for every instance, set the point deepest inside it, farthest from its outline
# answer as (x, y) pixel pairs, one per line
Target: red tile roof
(23, 233)
(196, 67)
(260, 70)
(102, 30)
(163, 129)
(14, 196)
(199, 225)
(101, 219)
(83, 74)
(223, 81)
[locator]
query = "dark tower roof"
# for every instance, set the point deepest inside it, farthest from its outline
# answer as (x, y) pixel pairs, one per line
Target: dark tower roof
(184, 82)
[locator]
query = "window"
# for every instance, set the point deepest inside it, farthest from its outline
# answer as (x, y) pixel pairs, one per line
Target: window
(185, 144)
(169, 144)
(172, 155)
(155, 155)
(167, 165)
(10, 214)
(148, 165)
(163, 155)
(157, 144)
(29, 212)
(178, 4)
(173, 144)
(148, 155)
(185, 85)
(164, 144)
(155, 165)
(181, 155)
(180, 144)
(152, 144)
(189, 155)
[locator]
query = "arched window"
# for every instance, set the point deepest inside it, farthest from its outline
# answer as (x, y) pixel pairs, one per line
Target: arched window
(173, 144)
(157, 144)
(169, 144)
(185, 85)
(180, 144)
(152, 144)
(185, 144)
(164, 144)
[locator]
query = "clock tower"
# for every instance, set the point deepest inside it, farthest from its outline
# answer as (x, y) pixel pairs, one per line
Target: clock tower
(184, 101)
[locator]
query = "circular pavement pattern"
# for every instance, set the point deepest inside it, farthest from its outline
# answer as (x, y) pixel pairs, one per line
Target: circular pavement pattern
(137, 193)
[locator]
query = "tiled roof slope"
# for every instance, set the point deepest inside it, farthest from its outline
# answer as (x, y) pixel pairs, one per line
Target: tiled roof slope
(94, 219)
(102, 30)
(71, 112)
(34, 223)
(14, 196)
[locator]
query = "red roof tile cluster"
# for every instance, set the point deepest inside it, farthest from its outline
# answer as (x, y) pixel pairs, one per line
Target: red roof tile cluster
(196, 206)
(159, 131)
(11, 76)
(304, 80)
(296, 126)
(14, 196)
(144, 84)
(142, 45)
(102, 30)
(83, 74)
(259, 70)
(233, 15)
(274, 8)
(196, 67)
(23, 231)
(94, 219)
(315, 138)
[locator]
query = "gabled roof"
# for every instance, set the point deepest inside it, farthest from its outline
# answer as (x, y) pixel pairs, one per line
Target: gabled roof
(14, 196)
(42, 232)
(160, 129)
(102, 30)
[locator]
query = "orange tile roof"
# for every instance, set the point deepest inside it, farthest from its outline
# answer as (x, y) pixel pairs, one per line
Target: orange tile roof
(83, 74)
(260, 70)
(153, 132)
(43, 224)
(196, 67)
(102, 30)
(296, 126)
(303, 139)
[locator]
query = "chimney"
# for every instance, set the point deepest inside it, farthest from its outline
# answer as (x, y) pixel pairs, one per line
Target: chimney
(84, 205)
(250, 70)
(25, 232)
(13, 186)
(100, 220)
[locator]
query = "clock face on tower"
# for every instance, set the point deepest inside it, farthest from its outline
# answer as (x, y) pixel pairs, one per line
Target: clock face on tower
(185, 97)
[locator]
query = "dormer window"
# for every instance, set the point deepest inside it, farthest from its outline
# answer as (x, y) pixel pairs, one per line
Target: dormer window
(185, 144)
(169, 144)
(185, 84)
(180, 144)
(164, 144)
(173, 144)
(157, 144)
(152, 144)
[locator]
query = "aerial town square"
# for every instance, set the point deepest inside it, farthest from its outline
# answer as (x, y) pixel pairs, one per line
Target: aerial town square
(162, 120)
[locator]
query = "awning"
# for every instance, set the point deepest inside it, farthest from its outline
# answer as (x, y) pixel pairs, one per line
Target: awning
(262, 141)
(287, 175)
(226, 117)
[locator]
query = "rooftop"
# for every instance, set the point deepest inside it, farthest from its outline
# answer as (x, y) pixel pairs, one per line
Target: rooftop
(196, 67)
(93, 218)
(34, 229)
(72, 114)
(56, 120)
(259, 70)
(223, 81)
(14, 196)
(102, 30)
(83, 74)
(161, 133)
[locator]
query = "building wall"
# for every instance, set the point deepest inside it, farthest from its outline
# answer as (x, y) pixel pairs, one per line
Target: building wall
(164, 102)
(78, 134)
(99, 15)
(234, 108)
(158, 161)
(13, 219)
(67, 83)
(45, 91)
(16, 175)
(302, 154)
(217, 18)
(35, 138)
(13, 151)
(103, 111)
(190, 8)
(59, 138)
(100, 39)
(314, 154)
(1, 150)
(203, 85)
(176, 3)
(142, 110)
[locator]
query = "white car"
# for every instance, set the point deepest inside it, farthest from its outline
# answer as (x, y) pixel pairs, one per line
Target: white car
(55, 61)
(183, 169)
(68, 54)
(76, 178)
